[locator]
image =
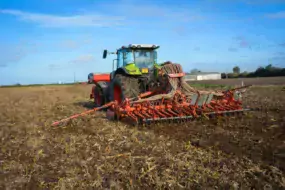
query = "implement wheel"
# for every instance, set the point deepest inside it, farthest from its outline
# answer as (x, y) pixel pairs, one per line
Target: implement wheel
(124, 87)
(99, 99)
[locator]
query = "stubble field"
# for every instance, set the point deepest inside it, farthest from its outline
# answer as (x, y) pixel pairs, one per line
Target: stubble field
(92, 152)
(245, 81)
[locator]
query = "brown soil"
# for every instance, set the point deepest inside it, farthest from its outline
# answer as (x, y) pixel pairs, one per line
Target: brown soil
(246, 81)
(92, 152)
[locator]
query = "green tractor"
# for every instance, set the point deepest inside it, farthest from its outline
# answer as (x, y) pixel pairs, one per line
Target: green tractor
(134, 72)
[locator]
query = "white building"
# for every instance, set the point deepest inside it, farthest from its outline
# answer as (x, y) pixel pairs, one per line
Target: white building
(203, 76)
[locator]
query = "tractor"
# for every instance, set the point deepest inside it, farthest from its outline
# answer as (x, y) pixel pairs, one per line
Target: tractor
(134, 71)
(141, 91)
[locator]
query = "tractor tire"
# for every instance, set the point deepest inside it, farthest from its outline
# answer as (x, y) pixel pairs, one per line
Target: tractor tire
(99, 99)
(124, 87)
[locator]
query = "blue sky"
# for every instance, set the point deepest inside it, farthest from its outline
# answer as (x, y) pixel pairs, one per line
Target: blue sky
(50, 40)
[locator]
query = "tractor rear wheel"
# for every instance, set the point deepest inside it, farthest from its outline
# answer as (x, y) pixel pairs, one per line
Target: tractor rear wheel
(124, 87)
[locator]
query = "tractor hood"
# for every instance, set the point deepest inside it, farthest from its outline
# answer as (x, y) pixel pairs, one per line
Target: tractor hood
(132, 69)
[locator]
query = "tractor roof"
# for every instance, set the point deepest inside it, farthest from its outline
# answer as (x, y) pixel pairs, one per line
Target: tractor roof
(140, 46)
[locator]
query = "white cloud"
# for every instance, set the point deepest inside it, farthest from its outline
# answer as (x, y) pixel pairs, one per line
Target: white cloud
(180, 30)
(232, 49)
(84, 20)
(70, 44)
(153, 15)
(88, 58)
(262, 2)
(196, 48)
(11, 54)
(133, 9)
(53, 66)
(127, 12)
(278, 15)
(249, 2)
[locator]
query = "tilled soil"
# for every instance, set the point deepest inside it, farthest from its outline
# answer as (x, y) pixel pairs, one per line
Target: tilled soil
(245, 81)
(92, 152)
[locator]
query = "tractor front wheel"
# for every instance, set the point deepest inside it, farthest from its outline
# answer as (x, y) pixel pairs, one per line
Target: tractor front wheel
(124, 87)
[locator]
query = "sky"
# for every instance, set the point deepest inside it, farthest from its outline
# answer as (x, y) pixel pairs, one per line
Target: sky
(58, 40)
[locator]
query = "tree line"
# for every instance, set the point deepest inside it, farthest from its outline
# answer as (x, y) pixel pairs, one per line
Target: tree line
(267, 71)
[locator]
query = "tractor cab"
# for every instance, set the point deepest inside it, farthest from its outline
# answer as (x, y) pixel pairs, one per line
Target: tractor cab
(135, 59)
(133, 70)
(143, 56)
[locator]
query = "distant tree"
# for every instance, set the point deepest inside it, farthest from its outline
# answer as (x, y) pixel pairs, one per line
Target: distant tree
(243, 74)
(266, 71)
(232, 75)
(268, 67)
(260, 72)
(236, 70)
(194, 71)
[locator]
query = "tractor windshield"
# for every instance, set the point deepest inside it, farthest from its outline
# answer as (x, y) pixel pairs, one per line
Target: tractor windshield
(144, 58)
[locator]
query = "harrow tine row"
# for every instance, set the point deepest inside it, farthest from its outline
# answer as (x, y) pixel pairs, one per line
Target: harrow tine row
(179, 108)
(189, 117)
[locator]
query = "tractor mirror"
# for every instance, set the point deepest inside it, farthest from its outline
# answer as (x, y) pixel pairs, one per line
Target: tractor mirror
(105, 54)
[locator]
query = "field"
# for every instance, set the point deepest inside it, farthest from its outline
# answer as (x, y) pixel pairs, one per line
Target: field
(246, 81)
(92, 152)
